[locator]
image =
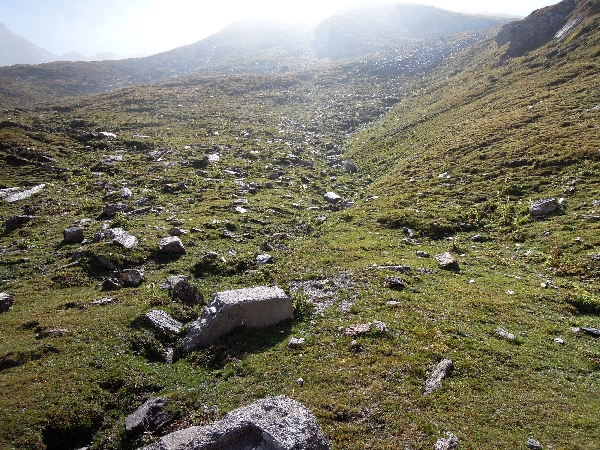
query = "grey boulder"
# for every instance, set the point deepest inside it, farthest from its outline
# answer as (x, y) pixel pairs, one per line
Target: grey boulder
(171, 244)
(258, 306)
(447, 261)
(543, 207)
(274, 423)
(73, 235)
(163, 322)
(6, 301)
(151, 416)
(118, 236)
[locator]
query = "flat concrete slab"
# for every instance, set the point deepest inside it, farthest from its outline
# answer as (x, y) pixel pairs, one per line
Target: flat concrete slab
(274, 423)
(258, 306)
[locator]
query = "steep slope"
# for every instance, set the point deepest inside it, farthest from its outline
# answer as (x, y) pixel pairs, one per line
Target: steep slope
(15, 49)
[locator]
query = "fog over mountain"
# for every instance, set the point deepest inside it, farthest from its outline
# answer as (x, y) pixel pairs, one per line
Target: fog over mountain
(15, 49)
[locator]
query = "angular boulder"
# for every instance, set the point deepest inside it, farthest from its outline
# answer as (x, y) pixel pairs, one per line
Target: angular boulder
(132, 277)
(114, 208)
(6, 301)
(163, 322)
(332, 197)
(73, 235)
(258, 306)
(543, 207)
(447, 261)
(15, 222)
(118, 236)
(171, 244)
(276, 423)
(151, 416)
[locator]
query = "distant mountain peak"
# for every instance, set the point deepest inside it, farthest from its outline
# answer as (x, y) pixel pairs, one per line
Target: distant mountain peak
(15, 49)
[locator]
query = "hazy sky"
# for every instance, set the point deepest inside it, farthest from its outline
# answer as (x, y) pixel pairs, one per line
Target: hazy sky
(128, 27)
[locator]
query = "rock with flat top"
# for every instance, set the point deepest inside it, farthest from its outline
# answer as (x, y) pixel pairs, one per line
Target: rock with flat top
(543, 207)
(274, 423)
(259, 306)
(163, 322)
(73, 235)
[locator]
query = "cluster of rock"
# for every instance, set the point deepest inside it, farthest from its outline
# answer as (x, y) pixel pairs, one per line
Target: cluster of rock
(272, 423)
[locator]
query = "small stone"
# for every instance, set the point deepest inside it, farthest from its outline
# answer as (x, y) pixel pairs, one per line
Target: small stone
(447, 261)
(543, 207)
(6, 301)
(296, 342)
(300, 382)
(559, 341)
(172, 281)
(102, 301)
(395, 283)
(380, 326)
(592, 331)
(131, 277)
(422, 254)
(16, 196)
(57, 332)
(171, 245)
(125, 192)
(358, 329)
(349, 167)
(114, 208)
(450, 442)
(176, 231)
(503, 334)
(264, 258)
(441, 371)
(240, 210)
(478, 238)
(533, 444)
(332, 197)
(73, 235)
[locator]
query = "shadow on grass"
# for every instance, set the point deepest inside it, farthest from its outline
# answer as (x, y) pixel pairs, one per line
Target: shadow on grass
(240, 343)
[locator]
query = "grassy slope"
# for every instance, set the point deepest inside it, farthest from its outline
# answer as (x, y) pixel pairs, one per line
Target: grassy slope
(69, 390)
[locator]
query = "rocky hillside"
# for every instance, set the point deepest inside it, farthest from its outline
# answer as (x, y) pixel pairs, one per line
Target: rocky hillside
(368, 30)
(243, 47)
(433, 229)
